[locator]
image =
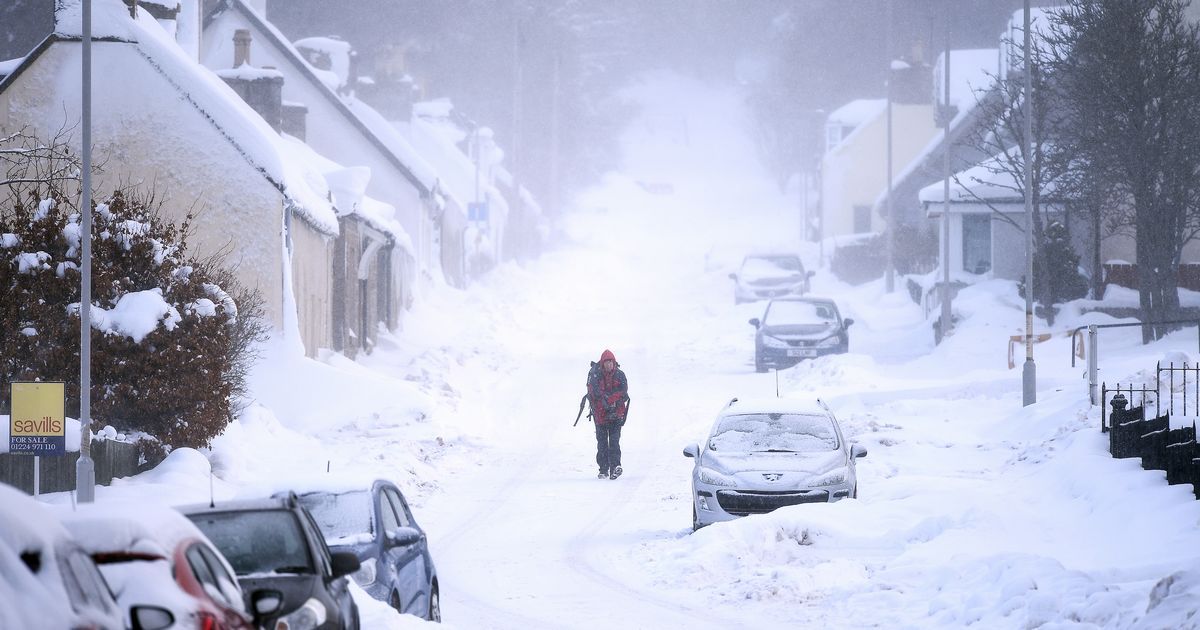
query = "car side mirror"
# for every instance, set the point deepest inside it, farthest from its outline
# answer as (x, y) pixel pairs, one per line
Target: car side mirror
(265, 602)
(150, 618)
(343, 563)
(691, 450)
(404, 536)
(858, 450)
(755, 322)
(846, 322)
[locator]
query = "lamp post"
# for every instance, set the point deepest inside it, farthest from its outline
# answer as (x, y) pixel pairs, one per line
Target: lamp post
(947, 312)
(1029, 370)
(85, 469)
(889, 278)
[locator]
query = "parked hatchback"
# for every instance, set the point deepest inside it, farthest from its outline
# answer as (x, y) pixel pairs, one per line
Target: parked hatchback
(377, 525)
(280, 557)
(48, 581)
(764, 276)
(797, 328)
(761, 455)
(151, 554)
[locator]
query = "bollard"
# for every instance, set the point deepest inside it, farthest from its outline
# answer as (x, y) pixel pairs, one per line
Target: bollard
(1093, 364)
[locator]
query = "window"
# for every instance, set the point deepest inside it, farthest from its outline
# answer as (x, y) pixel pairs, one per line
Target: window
(398, 505)
(387, 515)
(862, 219)
(977, 243)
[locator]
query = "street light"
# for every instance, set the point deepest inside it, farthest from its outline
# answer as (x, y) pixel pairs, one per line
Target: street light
(1029, 371)
(85, 469)
(889, 279)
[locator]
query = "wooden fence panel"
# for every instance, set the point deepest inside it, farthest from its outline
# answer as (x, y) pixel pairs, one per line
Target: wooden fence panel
(112, 460)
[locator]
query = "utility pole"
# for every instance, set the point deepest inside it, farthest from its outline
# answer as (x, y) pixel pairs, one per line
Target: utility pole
(947, 117)
(889, 274)
(1029, 370)
(85, 469)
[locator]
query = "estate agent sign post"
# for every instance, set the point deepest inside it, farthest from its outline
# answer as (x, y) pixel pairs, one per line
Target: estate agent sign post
(38, 424)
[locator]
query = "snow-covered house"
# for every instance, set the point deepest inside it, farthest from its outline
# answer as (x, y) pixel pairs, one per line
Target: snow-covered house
(161, 120)
(316, 108)
(854, 166)
(972, 89)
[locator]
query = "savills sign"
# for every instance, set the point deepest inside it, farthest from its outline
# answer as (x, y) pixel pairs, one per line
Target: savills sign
(38, 424)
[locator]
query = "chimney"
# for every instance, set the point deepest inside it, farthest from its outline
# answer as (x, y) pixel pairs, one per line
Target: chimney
(261, 88)
(241, 47)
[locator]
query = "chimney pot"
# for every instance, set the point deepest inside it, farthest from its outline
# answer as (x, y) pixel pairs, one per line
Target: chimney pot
(241, 47)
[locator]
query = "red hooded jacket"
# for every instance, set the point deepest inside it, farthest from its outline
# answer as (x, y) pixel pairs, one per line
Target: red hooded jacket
(607, 391)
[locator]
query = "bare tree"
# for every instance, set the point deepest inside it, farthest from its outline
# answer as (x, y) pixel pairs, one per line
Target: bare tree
(1129, 76)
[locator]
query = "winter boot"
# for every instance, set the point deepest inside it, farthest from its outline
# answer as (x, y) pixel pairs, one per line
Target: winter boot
(602, 475)
(616, 472)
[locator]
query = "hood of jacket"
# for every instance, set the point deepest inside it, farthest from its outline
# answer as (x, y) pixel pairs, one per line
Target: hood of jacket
(606, 355)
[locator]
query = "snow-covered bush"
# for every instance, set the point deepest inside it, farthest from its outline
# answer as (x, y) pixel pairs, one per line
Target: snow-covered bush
(172, 335)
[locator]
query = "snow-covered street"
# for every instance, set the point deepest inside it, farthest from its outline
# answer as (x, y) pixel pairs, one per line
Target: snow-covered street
(972, 512)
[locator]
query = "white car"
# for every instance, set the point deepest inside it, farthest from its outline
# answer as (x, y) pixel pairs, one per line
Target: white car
(765, 454)
(764, 276)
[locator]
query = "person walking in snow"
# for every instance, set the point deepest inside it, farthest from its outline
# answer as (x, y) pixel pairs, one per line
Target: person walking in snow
(608, 395)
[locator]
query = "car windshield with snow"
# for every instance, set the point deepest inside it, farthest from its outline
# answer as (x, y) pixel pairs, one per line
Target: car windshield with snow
(761, 455)
(281, 561)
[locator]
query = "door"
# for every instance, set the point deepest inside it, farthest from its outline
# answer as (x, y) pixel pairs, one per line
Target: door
(405, 561)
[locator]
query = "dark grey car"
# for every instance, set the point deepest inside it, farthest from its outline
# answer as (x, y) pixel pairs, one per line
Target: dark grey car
(377, 526)
(280, 556)
(796, 328)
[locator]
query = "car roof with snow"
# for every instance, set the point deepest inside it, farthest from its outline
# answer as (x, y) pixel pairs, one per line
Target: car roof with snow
(107, 527)
(808, 406)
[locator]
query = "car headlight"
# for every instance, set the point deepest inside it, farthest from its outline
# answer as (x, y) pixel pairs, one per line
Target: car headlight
(713, 478)
(365, 575)
(773, 342)
(829, 342)
(834, 477)
(307, 617)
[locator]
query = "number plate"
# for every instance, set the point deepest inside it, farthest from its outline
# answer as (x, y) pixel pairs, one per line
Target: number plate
(801, 352)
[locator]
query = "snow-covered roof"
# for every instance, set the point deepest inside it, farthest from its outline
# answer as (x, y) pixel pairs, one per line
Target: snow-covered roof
(338, 52)
(347, 187)
(394, 147)
(990, 180)
(1012, 40)
(971, 71)
(857, 112)
(221, 107)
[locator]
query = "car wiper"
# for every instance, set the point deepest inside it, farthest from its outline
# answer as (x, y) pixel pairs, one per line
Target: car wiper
(294, 569)
(779, 450)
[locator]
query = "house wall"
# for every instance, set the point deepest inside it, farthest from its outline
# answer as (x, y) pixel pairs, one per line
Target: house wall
(854, 173)
(312, 284)
(144, 133)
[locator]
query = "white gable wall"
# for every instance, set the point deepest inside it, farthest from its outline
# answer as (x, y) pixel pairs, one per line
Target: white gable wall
(144, 132)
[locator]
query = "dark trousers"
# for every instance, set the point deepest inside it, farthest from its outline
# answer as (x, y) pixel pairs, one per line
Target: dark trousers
(608, 446)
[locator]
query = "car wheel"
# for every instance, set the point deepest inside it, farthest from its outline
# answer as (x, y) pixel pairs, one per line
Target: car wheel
(355, 622)
(394, 602)
(759, 366)
(435, 605)
(695, 521)
(854, 492)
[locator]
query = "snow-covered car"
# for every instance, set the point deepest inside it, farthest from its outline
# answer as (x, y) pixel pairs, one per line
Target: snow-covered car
(764, 454)
(764, 276)
(796, 328)
(152, 554)
(377, 525)
(281, 560)
(47, 580)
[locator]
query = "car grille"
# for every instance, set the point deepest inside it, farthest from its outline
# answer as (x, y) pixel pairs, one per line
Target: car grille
(742, 502)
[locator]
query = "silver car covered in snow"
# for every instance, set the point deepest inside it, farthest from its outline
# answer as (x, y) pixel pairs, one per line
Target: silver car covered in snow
(764, 454)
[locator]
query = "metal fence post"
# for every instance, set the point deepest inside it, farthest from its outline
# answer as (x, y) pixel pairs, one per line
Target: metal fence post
(1093, 363)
